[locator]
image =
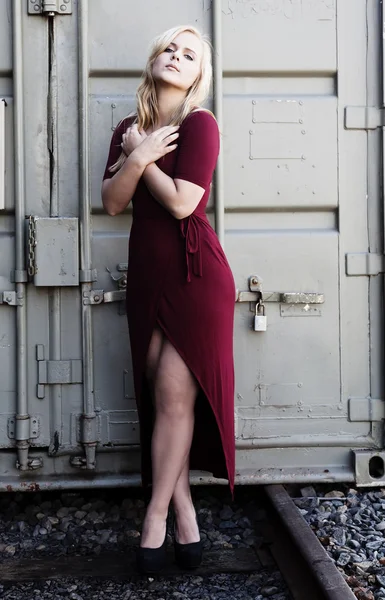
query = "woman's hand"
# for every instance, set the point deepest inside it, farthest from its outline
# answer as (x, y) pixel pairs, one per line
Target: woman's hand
(132, 138)
(156, 145)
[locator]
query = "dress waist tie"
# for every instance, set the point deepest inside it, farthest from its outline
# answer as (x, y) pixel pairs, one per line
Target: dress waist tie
(190, 231)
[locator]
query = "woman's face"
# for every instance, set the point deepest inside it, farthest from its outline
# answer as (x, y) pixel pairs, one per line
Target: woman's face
(180, 64)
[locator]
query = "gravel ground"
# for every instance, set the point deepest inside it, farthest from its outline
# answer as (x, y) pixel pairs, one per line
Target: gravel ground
(216, 587)
(350, 524)
(91, 523)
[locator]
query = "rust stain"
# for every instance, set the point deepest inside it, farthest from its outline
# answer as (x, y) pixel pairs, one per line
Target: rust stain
(30, 487)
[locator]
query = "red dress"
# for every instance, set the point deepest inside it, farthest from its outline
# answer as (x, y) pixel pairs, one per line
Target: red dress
(178, 277)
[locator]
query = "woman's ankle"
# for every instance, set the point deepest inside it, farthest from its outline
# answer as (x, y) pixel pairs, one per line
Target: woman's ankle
(184, 508)
(156, 512)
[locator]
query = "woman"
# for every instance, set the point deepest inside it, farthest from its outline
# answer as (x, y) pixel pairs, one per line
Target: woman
(180, 289)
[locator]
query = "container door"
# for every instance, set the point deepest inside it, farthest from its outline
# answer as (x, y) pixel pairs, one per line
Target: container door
(25, 189)
(303, 216)
(302, 206)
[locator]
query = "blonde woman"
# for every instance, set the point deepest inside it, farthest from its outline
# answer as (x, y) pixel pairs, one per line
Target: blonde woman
(180, 289)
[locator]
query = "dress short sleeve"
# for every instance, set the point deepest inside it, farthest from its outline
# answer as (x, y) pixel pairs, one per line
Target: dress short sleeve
(115, 145)
(198, 149)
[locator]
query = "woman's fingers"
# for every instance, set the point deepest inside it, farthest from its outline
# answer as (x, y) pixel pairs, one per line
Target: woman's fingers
(171, 148)
(171, 138)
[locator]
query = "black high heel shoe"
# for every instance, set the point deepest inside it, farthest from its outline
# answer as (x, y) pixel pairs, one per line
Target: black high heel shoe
(152, 560)
(187, 556)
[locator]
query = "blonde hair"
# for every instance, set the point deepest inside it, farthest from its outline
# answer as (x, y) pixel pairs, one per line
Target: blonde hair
(147, 111)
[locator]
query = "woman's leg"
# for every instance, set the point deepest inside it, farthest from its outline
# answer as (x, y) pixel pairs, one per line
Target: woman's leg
(187, 527)
(184, 509)
(175, 391)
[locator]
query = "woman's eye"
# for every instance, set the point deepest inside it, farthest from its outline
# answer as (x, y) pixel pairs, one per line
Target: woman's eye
(189, 56)
(168, 50)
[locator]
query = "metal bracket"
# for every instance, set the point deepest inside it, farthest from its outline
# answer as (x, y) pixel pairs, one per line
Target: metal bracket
(88, 276)
(364, 263)
(34, 423)
(11, 299)
(369, 468)
(366, 409)
(100, 296)
(49, 7)
(364, 117)
(33, 464)
(53, 372)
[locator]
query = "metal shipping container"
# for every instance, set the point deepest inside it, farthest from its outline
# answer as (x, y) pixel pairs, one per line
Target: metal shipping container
(297, 202)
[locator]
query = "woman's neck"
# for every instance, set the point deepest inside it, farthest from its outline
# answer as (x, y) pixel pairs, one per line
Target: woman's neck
(169, 99)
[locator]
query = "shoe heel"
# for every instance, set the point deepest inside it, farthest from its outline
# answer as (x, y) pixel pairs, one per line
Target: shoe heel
(150, 561)
(188, 556)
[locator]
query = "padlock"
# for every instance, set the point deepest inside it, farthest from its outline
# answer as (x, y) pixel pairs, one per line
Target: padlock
(260, 320)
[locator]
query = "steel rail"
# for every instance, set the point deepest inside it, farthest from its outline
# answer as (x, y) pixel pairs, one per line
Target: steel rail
(304, 563)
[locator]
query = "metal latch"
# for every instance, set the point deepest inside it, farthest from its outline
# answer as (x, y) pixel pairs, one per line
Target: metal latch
(50, 8)
(51, 372)
(255, 295)
(364, 117)
(100, 296)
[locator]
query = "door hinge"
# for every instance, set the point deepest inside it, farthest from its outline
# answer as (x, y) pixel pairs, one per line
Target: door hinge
(364, 263)
(11, 298)
(364, 117)
(33, 425)
(366, 409)
(51, 372)
(50, 8)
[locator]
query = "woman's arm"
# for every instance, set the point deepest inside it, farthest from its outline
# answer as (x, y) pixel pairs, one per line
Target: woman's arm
(117, 192)
(198, 148)
(178, 196)
(143, 150)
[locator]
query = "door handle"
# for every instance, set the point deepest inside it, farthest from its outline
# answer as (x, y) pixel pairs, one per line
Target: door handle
(255, 294)
(281, 297)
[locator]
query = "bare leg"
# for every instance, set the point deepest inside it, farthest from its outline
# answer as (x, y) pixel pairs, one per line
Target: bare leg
(175, 391)
(187, 528)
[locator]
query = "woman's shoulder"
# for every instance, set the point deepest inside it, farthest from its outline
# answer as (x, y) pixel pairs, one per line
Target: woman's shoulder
(125, 123)
(201, 118)
(201, 113)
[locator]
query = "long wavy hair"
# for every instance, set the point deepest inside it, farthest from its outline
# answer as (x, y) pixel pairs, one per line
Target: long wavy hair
(147, 110)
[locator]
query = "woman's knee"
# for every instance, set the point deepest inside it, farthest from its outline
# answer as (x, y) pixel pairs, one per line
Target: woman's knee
(174, 409)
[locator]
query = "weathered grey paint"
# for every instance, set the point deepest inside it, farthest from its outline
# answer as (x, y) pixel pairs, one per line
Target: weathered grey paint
(296, 192)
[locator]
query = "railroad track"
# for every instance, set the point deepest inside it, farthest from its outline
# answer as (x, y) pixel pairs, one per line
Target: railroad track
(309, 572)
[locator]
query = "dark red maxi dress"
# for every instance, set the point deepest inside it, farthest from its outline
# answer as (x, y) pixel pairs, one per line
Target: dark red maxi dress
(178, 277)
